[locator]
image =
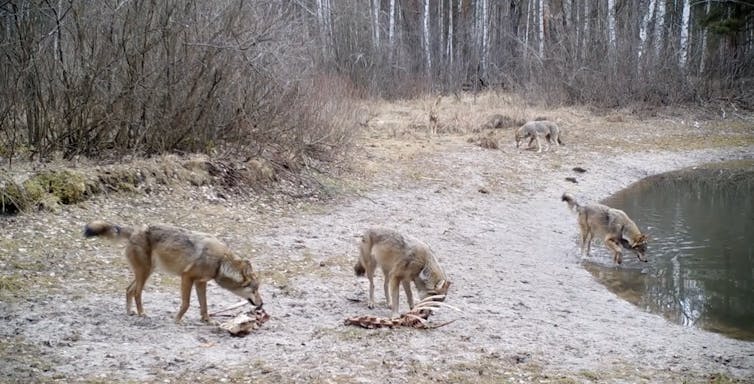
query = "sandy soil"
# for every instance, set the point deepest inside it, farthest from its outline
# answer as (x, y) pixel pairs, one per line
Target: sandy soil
(530, 312)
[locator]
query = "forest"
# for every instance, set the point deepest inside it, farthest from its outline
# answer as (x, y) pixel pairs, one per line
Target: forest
(280, 77)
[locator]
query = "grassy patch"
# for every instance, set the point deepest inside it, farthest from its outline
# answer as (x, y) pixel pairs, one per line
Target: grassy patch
(17, 285)
(11, 285)
(591, 376)
(721, 378)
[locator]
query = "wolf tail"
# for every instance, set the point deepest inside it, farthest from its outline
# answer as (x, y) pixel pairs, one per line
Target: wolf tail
(107, 230)
(572, 203)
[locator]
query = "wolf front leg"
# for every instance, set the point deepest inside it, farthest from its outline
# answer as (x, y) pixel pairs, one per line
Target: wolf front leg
(201, 295)
(584, 236)
(615, 247)
(370, 277)
(409, 294)
(394, 294)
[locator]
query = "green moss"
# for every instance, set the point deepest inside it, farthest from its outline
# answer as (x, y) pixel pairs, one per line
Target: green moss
(68, 186)
(34, 191)
(11, 197)
(116, 180)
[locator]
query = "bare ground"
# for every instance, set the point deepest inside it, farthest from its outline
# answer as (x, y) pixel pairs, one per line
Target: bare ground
(531, 313)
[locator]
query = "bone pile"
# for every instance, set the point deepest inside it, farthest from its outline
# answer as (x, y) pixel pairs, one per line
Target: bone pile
(417, 317)
(245, 322)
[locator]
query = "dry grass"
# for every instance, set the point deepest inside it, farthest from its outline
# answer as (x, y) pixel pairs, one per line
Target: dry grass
(46, 252)
(679, 128)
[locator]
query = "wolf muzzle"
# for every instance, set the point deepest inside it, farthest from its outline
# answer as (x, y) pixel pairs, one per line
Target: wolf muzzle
(254, 305)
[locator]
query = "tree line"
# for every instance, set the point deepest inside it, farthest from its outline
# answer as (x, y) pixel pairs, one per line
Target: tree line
(278, 77)
(580, 51)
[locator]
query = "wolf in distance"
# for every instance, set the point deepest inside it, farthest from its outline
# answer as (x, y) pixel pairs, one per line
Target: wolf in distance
(194, 256)
(539, 130)
(403, 259)
(617, 230)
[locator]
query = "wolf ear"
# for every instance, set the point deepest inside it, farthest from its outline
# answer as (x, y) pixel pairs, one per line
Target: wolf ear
(247, 271)
(424, 274)
(247, 268)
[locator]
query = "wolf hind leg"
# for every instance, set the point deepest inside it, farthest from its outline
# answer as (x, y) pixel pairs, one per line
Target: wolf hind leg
(585, 244)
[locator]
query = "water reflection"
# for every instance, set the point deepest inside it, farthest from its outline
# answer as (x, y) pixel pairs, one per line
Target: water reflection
(701, 269)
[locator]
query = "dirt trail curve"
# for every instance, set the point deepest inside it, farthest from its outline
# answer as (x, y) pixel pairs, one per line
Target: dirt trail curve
(531, 313)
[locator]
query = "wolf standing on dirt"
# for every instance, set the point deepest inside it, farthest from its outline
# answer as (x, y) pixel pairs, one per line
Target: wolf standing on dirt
(616, 228)
(403, 259)
(196, 257)
(534, 130)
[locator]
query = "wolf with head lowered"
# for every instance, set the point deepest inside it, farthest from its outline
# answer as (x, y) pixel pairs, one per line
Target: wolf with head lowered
(613, 225)
(194, 256)
(403, 259)
(539, 130)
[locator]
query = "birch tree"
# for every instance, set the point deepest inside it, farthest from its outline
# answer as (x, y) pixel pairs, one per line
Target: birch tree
(449, 47)
(376, 23)
(426, 34)
(391, 26)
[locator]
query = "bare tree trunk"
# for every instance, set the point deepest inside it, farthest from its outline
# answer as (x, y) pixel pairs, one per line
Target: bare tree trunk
(526, 32)
(541, 27)
(485, 38)
(449, 48)
(322, 20)
(703, 49)
(587, 27)
(649, 48)
(440, 30)
(684, 34)
(427, 47)
(611, 27)
(376, 23)
(391, 26)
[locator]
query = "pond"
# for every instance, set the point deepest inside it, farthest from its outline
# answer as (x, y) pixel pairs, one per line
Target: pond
(701, 260)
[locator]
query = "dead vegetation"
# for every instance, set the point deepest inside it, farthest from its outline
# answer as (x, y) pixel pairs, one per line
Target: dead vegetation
(50, 187)
(305, 263)
(488, 122)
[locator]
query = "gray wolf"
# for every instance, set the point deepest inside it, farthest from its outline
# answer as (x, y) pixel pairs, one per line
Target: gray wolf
(498, 121)
(536, 130)
(194, 256)
(403, 259)
(613, 225)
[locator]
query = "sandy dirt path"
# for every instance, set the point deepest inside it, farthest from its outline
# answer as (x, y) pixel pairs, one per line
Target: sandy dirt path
(531, 313)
